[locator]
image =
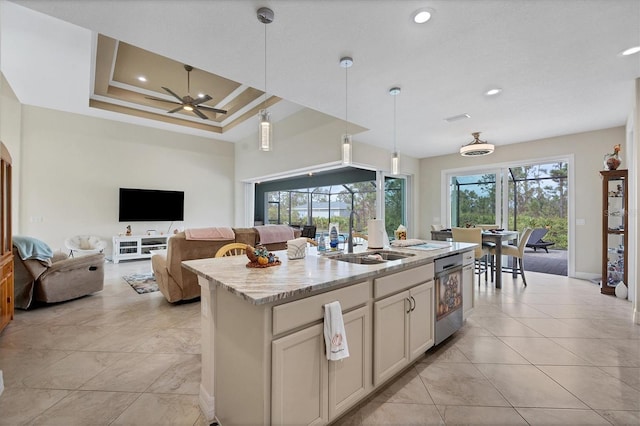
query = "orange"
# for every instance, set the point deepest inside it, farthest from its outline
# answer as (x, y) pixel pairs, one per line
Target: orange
(263, 260)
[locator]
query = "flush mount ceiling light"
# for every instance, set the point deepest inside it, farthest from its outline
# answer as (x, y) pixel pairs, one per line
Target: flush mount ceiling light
(346, 145)
(493, 91)
(395, 158)
(421, 16)
(265, 131)
(457, 117)
(142, 78)
(630, 51)
(477, 147)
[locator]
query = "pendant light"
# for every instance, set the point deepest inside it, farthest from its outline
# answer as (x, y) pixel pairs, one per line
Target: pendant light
(395, 158)
(265, 130)
(477, 147)
(346, 145)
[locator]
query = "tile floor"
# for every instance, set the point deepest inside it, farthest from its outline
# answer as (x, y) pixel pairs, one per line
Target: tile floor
(555, 352)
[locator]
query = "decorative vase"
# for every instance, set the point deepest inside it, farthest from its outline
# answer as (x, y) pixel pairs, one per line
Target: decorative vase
(611, 161)
(621, 290)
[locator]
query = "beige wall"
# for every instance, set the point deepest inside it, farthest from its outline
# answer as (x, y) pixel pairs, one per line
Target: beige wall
(73, 165)
(304, 141)
(587, 149)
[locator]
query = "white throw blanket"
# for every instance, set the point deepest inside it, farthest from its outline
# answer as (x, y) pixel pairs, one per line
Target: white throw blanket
(335, 337)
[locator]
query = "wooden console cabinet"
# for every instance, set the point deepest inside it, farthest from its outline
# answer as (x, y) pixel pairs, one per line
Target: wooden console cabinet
(615, 204)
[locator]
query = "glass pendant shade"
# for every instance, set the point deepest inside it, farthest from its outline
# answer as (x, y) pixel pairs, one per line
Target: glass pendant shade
(264, 131)
(395, 163)
(346, 149)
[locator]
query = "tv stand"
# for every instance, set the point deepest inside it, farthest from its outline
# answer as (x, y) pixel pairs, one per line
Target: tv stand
(137, 246)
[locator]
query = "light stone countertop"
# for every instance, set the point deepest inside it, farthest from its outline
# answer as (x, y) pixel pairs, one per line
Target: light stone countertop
(304, 276)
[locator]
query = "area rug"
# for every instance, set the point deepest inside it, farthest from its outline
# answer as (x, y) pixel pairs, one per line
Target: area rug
(142, 283)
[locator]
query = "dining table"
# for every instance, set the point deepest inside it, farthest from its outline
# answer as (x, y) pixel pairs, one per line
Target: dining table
(490, 236)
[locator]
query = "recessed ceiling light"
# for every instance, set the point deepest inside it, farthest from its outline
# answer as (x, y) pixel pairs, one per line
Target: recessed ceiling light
(421, 16)
(493, 92)
(630, 51)
(201, 95)
(142, 78)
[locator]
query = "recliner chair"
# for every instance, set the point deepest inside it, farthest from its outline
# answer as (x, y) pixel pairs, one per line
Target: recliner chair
(57, 279)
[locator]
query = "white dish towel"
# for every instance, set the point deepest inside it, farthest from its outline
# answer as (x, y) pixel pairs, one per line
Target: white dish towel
(335, 337)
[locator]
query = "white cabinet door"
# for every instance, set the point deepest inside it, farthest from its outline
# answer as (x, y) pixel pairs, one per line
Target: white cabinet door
(391, 332)
(421, 326)
(299, 378)
(350, 378)
(468, 296)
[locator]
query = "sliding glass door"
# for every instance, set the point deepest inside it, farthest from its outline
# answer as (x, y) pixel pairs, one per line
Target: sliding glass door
(474, 199)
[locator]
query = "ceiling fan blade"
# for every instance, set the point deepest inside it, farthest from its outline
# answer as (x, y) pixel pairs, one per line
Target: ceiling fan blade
(205, 98)
(163, 100)
(173, 93)
(208, 108)
(175, 110)
(197, 112)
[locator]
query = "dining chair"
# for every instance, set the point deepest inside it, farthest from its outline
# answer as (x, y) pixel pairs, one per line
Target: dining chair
(517, 252)
(231, 249)
(474, 235)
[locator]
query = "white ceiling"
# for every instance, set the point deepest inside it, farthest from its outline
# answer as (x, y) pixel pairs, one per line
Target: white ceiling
(557, 61)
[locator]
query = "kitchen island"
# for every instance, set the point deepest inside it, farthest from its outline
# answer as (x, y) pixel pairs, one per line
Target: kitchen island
(263, 356)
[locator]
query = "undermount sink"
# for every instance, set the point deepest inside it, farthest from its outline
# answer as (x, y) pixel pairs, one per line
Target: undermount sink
(371, 257)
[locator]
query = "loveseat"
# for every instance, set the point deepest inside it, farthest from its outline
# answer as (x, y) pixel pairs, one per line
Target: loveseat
(177, 283)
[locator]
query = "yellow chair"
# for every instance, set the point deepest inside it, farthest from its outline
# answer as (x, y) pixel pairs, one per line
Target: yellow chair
(473, 235)
(517, 252)
(232, 249)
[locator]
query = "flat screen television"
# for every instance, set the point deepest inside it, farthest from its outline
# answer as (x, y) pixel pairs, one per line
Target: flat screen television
(150, 205)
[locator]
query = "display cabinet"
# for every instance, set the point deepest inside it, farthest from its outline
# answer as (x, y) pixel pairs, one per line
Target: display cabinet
(614, 229)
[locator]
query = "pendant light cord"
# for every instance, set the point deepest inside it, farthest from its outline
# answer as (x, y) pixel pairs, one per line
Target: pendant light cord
(265, 66)
(394, 123)
(346, 100)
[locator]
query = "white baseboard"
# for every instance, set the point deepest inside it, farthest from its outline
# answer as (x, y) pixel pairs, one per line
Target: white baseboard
(207, 405)
(586, 276)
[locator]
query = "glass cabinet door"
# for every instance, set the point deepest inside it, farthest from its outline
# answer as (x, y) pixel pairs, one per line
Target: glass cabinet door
(614, 224)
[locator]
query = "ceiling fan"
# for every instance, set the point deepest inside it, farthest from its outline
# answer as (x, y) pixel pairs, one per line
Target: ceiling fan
(188, 103)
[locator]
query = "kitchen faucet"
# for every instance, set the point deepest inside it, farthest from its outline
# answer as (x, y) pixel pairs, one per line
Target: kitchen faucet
(350, 237)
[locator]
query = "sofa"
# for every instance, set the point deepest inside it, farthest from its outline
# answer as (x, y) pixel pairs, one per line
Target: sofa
(57, 279)
(177, 283)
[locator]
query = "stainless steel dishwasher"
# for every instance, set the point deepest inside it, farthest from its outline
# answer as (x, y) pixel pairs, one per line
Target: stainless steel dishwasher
(448, 300)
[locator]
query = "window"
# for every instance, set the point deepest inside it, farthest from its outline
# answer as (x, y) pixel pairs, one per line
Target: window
(473, 199)
(330, 197)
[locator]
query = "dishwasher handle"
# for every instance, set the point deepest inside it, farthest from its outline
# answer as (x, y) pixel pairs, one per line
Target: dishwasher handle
(450, 266)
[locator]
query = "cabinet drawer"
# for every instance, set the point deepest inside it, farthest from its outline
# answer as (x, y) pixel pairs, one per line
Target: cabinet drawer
(468, 257)
(402, 280)
(295, 314)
